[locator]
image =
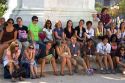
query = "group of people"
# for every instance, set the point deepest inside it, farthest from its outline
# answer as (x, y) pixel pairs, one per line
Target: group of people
(70, 46)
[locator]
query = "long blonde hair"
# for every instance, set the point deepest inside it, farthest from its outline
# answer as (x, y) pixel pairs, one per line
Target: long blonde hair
(12, 46)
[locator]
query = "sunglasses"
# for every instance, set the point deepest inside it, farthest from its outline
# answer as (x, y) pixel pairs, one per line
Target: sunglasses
(10, 22)
(35, 20)
(122, 49)
(31, 47)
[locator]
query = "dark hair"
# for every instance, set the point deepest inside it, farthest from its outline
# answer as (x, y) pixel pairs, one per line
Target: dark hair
(88, 40)
(89, 22)
(45, 26)
(100, 22)
(10, 19)
(103, 9)
(112, 36)
(34, 17)
(48, 42)
(82, 21)
(67, 24)
(105, 37)
(121, 25)
(19, 18)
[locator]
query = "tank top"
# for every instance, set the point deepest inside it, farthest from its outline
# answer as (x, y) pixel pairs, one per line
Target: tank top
(7, 35)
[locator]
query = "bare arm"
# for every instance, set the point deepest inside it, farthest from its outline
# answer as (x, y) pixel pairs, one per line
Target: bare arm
(1, 35)
(56, 35)
(118, 62)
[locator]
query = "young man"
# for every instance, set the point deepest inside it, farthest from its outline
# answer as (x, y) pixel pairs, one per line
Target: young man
(22, 34)
(76, 59)
(47, 54)
(89, 29)
(103, 56)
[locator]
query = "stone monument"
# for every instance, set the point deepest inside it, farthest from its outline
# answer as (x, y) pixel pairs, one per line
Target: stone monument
(52, 9)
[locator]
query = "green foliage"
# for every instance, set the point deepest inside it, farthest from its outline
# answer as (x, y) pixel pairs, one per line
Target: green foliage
(3, 7)
(98, 6)
(122, 6)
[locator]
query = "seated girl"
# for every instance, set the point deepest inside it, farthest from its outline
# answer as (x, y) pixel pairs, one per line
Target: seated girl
(64, 52)
(29, 57)
(10, 59)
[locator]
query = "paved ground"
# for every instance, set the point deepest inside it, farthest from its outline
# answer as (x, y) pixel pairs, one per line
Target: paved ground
(96, 78)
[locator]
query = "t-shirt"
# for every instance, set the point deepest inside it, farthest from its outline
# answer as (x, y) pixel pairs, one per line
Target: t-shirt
(105, 18)
(42, 52)
(22, 33)
(69, 34)
(90, 32)
(101, 48)
(59, 31)
(48, 34)
(74, 48)
(35, 29)
(80, 33)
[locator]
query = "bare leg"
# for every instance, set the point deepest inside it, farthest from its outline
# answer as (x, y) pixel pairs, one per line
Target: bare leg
(63, 63)
(110, 62)
(105, 62)
(32, 70)
(42, 67)
(53, 62)
(69, 65)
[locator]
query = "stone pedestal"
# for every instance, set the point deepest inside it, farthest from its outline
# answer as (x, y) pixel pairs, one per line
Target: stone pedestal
(54, 10)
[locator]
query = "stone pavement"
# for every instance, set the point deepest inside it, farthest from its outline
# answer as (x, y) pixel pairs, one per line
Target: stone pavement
(76, 78)
(97, 78)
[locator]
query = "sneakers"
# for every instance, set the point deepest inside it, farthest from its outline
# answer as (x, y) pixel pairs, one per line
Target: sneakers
(89, 72)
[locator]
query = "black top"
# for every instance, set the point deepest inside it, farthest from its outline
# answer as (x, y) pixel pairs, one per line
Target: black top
(69, 34)
(22, 32)
(78, 31)
(42, 52)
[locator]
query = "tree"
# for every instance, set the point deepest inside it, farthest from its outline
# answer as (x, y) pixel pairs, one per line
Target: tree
(3, 7)
(122, 7)
(98, 6)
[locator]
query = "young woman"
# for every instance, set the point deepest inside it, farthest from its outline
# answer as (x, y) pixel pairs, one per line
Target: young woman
(121, 33)
(29, 57)
(88, 52)
(112, 29)
(69, 31)
(8, 35)
(11, 55)
(64, 52)
(99, 29)
(58, 32)
(120, 60)
(48, 31)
